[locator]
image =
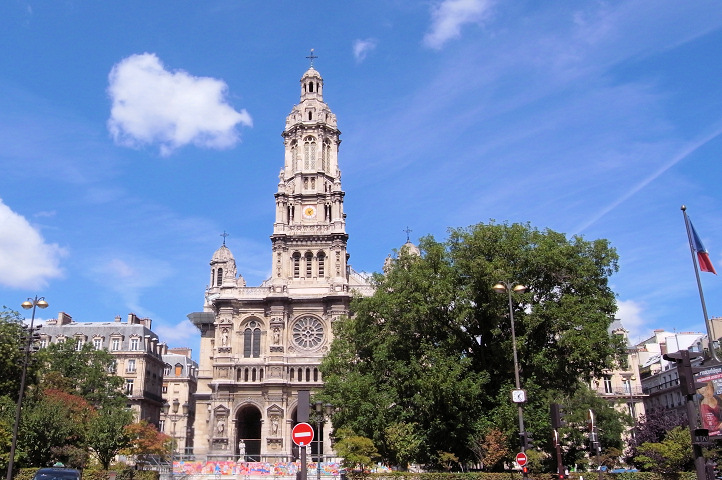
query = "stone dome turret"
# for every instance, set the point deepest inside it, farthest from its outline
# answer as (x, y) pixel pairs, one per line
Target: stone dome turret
(411, 249)
(223, 254)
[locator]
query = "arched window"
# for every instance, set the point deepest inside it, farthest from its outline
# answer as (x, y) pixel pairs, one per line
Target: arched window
(309, 151)
(321, 264)
(326, 155)
(252, 340)
(296, 265)
(219, 278)
(309, 265)
(294, 155)
(213, 276)
(310, 87)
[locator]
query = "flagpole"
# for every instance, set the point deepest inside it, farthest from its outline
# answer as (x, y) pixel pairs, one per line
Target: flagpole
(710, 337)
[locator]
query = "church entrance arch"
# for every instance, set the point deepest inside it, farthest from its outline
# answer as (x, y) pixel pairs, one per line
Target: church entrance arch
(248, 433)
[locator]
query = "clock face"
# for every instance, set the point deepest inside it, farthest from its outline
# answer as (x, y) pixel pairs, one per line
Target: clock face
(309, 211)
(518, 396)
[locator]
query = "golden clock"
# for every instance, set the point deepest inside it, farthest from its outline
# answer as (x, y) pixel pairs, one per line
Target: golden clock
(309, 211)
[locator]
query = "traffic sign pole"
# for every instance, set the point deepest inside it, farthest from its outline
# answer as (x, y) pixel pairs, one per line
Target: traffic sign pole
(302, 435)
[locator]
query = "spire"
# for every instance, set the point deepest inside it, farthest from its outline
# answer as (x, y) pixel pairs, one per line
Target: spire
(312, 57)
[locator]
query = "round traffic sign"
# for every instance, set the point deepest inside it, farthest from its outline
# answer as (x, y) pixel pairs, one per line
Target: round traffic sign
(302, 434)
(521, 459)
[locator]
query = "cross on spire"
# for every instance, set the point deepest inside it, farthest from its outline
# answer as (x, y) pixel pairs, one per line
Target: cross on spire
(408, 231)
(224, 235)
(312, 57)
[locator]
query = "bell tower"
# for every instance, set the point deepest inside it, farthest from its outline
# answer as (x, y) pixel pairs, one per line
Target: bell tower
(309, 234)
(261, 345)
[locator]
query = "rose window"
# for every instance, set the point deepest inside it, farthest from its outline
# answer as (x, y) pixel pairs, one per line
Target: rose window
(307, 332)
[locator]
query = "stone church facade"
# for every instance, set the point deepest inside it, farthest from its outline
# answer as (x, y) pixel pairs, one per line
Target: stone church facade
(261, 345)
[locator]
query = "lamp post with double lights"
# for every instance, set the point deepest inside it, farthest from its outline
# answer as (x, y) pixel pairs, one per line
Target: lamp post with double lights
(518, 395)
(322, 412)
(27, 304)
(174, 417)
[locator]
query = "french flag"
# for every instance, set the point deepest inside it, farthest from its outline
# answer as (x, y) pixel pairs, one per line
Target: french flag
(705, 264)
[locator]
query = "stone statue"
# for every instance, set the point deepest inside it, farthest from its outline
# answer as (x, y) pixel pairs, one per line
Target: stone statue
(221, 427)
(241, 451)
(274, 426)
(276, 336)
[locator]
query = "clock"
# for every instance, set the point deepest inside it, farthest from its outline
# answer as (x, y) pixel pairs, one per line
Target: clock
(518, 396)
(309, 211)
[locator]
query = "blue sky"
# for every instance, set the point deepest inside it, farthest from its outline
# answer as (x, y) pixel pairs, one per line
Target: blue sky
(132, 134)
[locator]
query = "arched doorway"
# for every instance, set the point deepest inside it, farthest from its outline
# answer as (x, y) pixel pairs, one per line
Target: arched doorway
(248, 430)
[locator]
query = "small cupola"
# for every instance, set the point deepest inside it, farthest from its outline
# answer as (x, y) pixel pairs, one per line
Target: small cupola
(311, 85)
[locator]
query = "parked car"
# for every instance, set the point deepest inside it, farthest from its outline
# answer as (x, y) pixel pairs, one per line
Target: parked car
(57, 473)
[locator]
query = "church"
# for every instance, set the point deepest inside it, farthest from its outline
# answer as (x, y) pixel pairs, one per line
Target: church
(261, 345)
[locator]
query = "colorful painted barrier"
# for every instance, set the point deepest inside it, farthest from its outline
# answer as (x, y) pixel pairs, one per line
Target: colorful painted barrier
(253, 468)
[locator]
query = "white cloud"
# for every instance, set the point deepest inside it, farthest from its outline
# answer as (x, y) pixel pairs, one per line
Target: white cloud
(361, 48)
(448, 17)
(181, 334)
(172, 109)
(129, 275)
(26, 261)
(630, 313)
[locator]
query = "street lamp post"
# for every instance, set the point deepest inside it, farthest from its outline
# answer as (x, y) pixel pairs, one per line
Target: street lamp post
(27, 304)
(322, 412)
(509, 288)
(174, 417)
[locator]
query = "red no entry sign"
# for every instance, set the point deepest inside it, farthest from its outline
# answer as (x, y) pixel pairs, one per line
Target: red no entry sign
(521, 459)
(302, 434)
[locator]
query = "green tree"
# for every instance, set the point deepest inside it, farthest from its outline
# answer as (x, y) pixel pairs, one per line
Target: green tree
(107, 434)
(403, 443)
(7, 409)
(671, 455)
(574, 436)
(51, 422)
(358, 452)
(433, 345)
(85, 372)
(13, 338)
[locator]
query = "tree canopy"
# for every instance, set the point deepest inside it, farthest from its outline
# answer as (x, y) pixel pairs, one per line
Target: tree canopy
(432, 348)
(73, 404)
